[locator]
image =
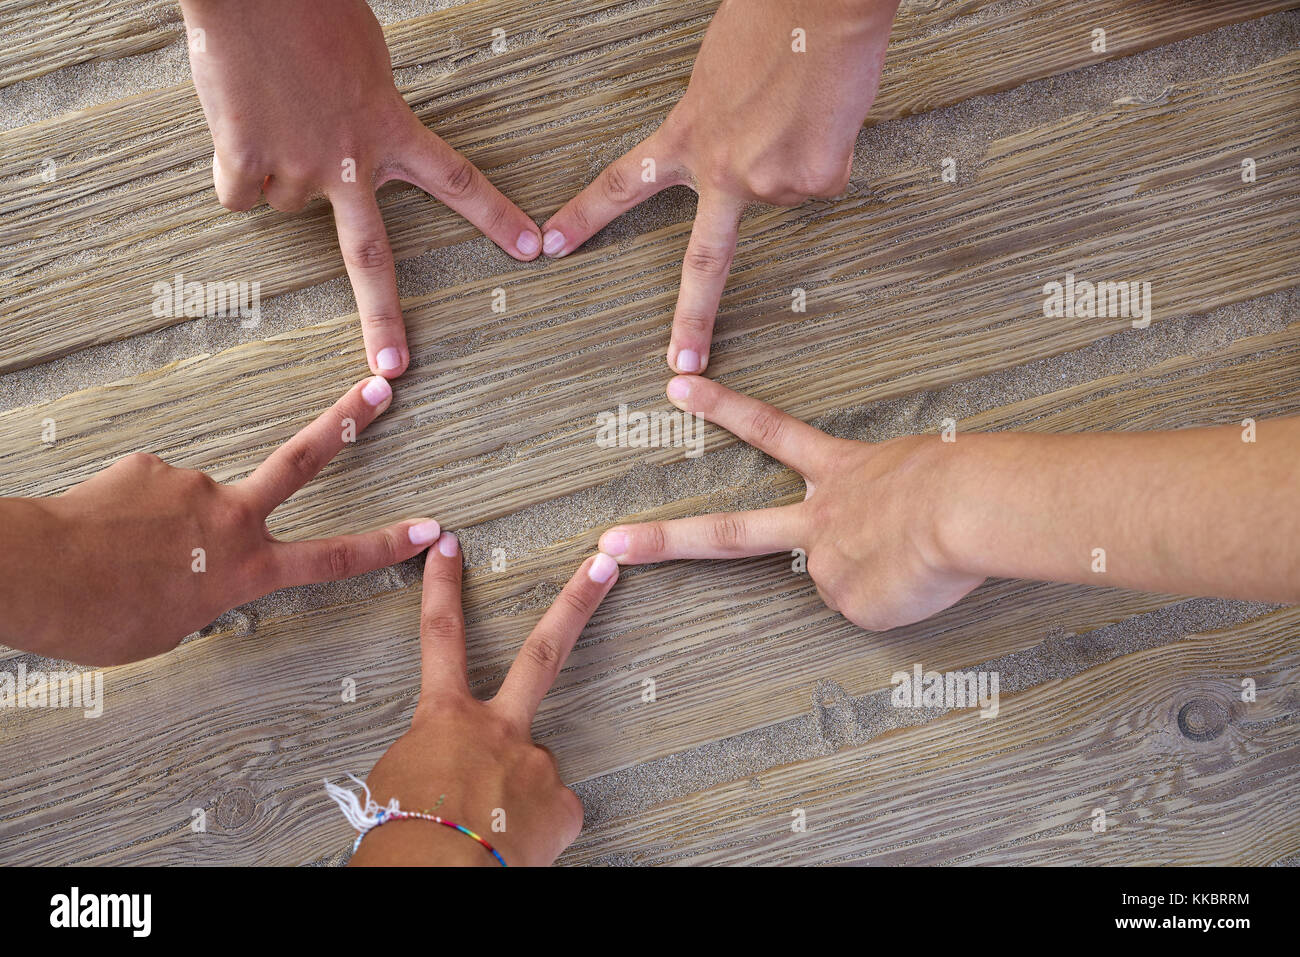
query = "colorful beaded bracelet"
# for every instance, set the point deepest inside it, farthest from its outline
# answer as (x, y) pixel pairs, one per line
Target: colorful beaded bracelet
(368, 816)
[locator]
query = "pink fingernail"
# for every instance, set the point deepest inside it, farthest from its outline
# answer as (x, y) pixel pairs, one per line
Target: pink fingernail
(526, 243)
(448, 545)
(377, 391)
(679, 388)
(552, 242)
(388, 359)
(688, 360)
(602, 569)
(613, 543)
(424, 533)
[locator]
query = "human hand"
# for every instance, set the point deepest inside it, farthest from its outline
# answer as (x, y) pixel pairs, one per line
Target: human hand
(869, 522)
(479, 756)
(142, 554)
(300, 98)
(759, 122)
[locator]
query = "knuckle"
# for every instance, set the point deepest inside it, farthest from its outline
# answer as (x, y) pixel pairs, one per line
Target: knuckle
(726, 531)
(708, 261)
(304, 459)
(458, 179)
(768, 427)
(578, 216)
(693, 322)
(440, 625)
(498, 216)
(543, 651)
(241, 162)
(389, 550)
(340, 559)
(616, 185)
(574, 810)
(383, 320)
(371, 253)
(139, 460)
(237, 204)
(656, 539)
(574, 602)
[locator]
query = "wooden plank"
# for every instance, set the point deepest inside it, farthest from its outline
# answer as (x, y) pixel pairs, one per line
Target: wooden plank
(506, 404)
(41, 36)
(133, 203)
(1022, 787)
(251, 724)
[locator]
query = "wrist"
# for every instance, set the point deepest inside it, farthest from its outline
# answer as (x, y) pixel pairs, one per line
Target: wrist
(949, 527)
(419, 843)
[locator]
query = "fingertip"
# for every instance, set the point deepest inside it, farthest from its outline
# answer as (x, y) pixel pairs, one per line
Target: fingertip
(448, 545)
(377, 392)
(424, 532)
(390, 362)
(528, 245)
(554, 242)
(679, 389)
(615, 543)
(687, 362)
(603, 569)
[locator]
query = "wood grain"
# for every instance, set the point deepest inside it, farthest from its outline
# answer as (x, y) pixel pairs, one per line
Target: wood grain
(914, 285)
(42, 36)
(1022, 787)
(255, 722)
(133, 202)
(496, 409)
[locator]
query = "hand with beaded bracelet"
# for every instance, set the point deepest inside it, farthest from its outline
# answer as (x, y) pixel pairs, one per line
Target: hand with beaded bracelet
(466, 785)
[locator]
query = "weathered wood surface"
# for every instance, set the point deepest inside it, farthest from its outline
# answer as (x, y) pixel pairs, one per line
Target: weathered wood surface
(255, 722)
(913, 287)
(41, 36)
(1023, 787)
(133, 202)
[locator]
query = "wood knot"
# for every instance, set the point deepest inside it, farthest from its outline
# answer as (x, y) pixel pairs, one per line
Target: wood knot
(235, 808)
(1202, 719)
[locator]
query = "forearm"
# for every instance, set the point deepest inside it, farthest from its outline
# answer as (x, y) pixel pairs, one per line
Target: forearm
(1195, 511)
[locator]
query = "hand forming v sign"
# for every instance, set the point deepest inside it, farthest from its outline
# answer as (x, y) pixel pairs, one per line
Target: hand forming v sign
(898, 530)
(143, 554)
(300, 98)
(479, 756)
(866, 522)
(778, 94)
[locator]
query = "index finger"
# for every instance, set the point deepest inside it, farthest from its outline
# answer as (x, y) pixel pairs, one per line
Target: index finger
(544, 652)
(442, 620)
(628, 181)
(368, 258)
(298, 461)
(705, 268)
(797, 444)
(722, 535)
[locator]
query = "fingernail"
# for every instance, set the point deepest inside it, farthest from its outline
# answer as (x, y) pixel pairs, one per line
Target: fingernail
(424, 532)
(688, 360)
(377, 391)
(679, 388)
(388, 359)
(526, 243)
(602, 569)
(613, 543)
(448, 545)
(552, 242)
